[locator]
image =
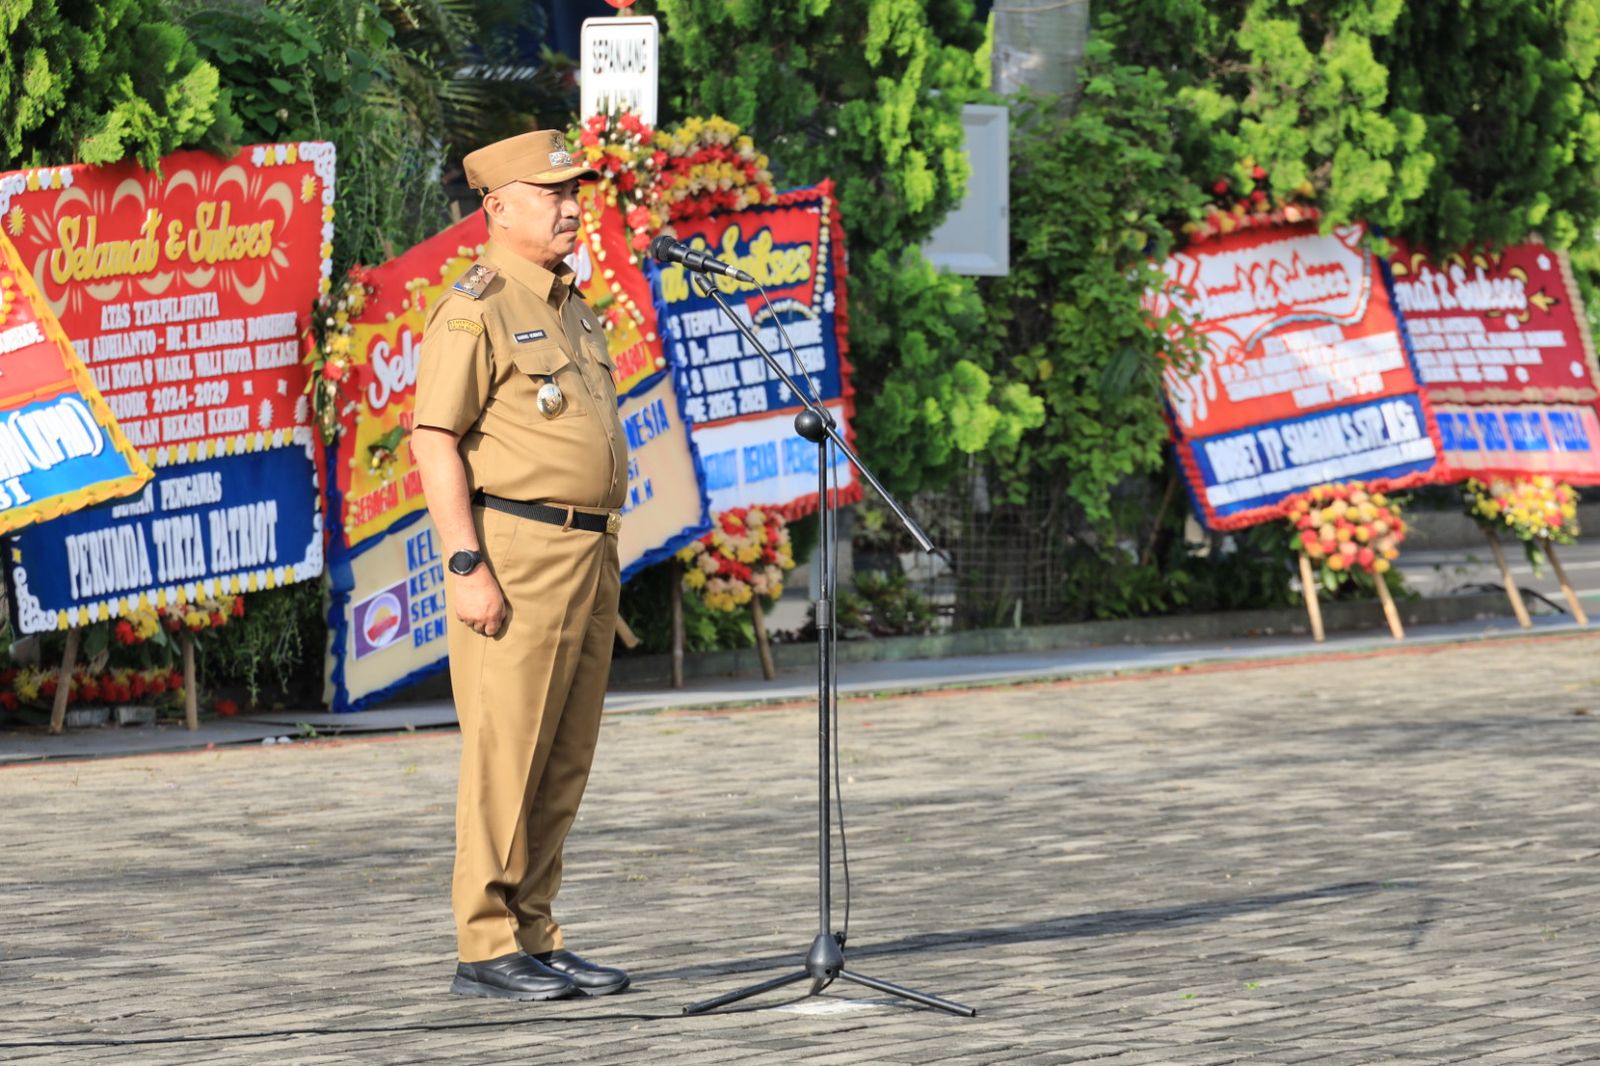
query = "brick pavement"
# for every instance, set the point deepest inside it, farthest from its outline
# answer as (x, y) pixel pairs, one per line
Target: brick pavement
(1368, 860)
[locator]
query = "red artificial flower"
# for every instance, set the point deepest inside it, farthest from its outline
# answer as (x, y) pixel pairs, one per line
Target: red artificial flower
(626, 181)
(1258, 172)
(8, 700)
(657, 158)
(597, 123)
(588, 138)
(332, 371)
(217, 619)
(157, 685)
(227, 708)
(136, 687)
(639, 241)
(48, 686)
(238, 607)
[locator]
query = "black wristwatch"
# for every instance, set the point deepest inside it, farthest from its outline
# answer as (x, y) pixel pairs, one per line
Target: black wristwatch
(464, 562)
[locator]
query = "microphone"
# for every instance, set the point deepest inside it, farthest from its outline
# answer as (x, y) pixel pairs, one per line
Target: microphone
(666, 250)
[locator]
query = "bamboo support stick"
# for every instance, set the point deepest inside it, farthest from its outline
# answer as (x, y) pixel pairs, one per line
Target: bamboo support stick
(763, 647)
(626, 634)
(677, 631)
(191, 698)
(1573, 603)
(1308, 585)
(69, 662)
(1391, 615)
(1512, 593)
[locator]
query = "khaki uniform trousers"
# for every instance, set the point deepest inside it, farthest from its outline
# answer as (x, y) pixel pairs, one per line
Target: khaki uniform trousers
(528, 700)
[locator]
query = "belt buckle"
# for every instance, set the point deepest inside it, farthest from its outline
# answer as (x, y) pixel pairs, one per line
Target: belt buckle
(613, 523)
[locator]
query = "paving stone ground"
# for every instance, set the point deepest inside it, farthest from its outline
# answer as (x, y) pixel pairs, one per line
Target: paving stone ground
(1389, 858)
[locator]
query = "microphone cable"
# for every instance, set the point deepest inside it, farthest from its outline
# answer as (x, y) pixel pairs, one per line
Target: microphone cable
(833, 700)
(831, 491)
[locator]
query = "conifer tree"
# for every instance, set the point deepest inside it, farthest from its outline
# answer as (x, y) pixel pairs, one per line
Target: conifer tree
(96, 82)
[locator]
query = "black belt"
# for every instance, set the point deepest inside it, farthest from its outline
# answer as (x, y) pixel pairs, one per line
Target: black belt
(556, 516)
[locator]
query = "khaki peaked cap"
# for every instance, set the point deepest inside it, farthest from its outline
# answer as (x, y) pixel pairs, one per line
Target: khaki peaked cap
(540, 158)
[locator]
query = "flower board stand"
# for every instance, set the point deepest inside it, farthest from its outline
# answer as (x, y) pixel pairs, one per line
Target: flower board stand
(69, 662)
(1512, 593)
(677, 632)
(1573, 603)
(191, 697)
(763, 647)
(1390, 615)
(1308, 586)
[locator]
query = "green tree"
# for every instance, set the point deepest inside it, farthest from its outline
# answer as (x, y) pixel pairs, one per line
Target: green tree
(868, 93)
(1508, 94)
(100, 82)
(1091, 198)
(372, 77)
(1292, 86)
(1442, 122)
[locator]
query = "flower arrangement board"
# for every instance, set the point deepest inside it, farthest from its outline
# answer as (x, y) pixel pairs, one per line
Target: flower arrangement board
(1504, 353)
(60, 448)
(218, 526)
(742, 415)
(186, 292)
(387, 615)
(387, 605)
(1304, 379)
(616, 287)
(367, 365)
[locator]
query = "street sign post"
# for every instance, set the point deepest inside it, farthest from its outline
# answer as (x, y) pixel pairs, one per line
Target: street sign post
(618, 66)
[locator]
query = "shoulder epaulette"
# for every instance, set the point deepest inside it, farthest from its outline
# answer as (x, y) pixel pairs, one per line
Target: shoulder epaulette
(475, 280)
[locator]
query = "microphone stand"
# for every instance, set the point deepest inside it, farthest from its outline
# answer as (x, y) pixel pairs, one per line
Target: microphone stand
(825, 961)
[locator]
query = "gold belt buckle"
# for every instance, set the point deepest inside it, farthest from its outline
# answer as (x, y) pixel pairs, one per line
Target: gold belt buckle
(613, 523)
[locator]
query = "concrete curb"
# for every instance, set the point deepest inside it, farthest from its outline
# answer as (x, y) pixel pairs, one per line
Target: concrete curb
(1167, 629)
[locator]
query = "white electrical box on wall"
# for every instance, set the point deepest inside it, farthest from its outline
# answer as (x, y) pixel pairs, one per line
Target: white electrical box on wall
(975, 238)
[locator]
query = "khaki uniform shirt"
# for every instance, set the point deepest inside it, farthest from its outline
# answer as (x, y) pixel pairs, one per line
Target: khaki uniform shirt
(482, 364)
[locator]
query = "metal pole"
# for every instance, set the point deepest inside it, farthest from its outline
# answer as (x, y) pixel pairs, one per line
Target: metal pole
(824, 691)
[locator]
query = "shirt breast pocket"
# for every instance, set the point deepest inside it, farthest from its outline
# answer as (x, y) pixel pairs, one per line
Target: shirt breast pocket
(600, 353)
(553, 382)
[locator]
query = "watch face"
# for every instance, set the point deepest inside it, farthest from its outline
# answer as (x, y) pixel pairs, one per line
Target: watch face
(463, 562)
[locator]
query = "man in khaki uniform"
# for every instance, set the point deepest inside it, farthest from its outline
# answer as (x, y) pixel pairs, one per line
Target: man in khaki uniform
(524, 465)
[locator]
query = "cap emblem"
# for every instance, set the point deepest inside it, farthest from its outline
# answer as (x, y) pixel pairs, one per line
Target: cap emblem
(563, 158)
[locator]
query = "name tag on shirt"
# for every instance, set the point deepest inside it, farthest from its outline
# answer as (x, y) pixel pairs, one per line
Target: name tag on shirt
(530, 336)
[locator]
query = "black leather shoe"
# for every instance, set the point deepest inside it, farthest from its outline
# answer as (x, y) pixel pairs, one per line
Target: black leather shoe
(514, 976)
(591, 980)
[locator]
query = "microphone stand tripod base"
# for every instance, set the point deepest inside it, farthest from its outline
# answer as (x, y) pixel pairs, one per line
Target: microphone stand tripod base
(823, 964)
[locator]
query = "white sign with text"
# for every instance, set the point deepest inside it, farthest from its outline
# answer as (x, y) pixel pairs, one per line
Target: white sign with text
(618, 66)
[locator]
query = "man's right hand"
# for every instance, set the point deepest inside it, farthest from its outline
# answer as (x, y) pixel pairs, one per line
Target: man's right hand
(479, 601)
